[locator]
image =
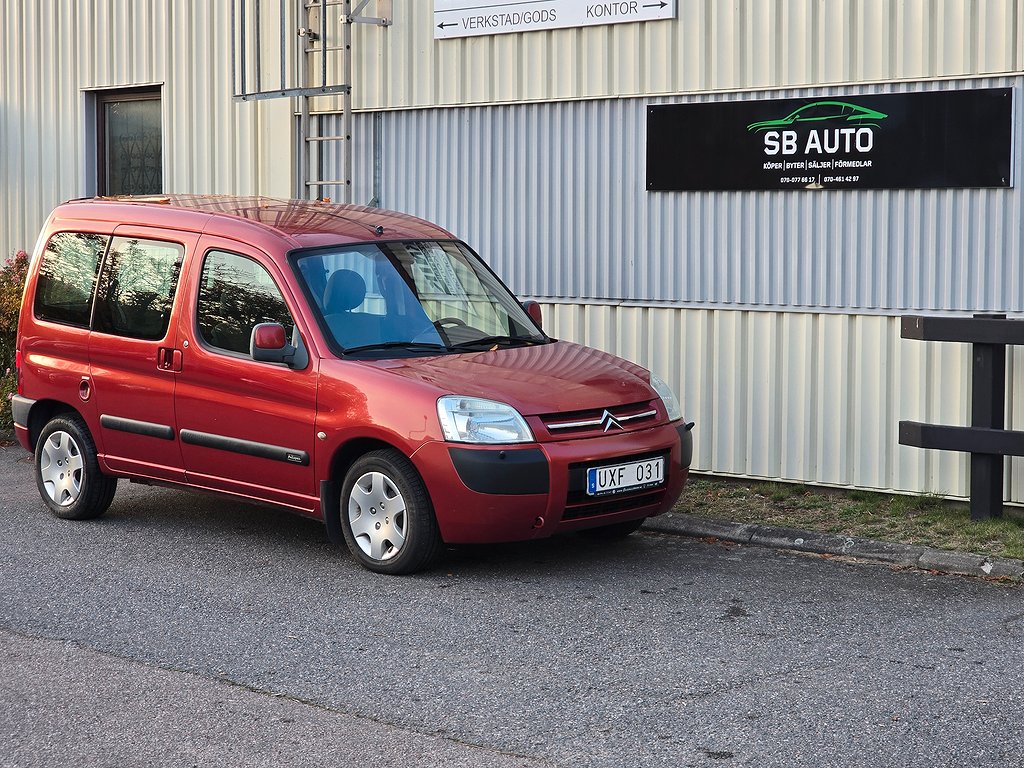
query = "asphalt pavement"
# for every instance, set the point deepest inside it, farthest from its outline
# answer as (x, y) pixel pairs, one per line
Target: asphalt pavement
(184, 630)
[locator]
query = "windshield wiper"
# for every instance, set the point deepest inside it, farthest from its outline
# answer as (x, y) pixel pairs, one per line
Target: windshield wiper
(396, 345)
(491, 340)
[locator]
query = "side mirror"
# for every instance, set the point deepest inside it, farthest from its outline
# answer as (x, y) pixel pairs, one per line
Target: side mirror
(268, 337)
(268, 344)
(533, 310)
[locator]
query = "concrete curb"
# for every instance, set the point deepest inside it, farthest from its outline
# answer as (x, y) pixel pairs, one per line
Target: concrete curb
(905, 555)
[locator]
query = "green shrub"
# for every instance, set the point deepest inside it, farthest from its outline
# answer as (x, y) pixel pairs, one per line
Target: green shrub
(7, 388)
(12, 281)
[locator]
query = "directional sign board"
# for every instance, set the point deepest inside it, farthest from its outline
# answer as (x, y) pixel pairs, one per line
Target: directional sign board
(468, 18)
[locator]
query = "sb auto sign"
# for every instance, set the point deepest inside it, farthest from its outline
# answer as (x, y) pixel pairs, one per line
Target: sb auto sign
(468, 18)
(935, 139)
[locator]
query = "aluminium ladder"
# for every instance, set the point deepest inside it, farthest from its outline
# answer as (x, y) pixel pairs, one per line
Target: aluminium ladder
(315, 61)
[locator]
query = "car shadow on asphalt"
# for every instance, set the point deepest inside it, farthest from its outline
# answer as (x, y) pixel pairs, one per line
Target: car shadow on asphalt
(170, 514)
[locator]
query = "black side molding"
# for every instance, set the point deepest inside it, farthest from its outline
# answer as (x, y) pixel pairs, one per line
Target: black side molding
(247, 447)
(511, 472)
(147, 428)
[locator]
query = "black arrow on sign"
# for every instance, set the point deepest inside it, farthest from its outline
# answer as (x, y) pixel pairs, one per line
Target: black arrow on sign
(655, 5)
(444, 24)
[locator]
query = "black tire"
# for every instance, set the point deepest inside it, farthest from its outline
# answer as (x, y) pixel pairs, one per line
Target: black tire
(82, 492)
(614, 531)
(388, 521)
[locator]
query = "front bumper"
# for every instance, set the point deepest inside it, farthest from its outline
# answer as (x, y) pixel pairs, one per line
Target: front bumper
(494, 494)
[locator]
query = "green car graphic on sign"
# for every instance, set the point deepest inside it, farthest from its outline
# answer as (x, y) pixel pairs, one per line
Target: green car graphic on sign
(820, 111)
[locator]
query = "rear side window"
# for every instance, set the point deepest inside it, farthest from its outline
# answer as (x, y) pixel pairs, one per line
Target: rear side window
(136, 288)
(236, 294)
(67, 277)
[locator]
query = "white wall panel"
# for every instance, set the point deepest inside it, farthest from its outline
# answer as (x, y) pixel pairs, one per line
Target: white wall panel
(53, 52)
(807, 397)
(552, 194)
(554, 197)
(712, 45)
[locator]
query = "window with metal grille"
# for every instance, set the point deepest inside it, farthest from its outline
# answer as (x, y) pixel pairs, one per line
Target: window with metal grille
(129, 142)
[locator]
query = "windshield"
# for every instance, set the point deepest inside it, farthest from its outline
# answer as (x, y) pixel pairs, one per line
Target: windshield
(413, 298)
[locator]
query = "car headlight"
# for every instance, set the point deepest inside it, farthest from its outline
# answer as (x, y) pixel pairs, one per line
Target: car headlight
(474, 420)
(668, 397)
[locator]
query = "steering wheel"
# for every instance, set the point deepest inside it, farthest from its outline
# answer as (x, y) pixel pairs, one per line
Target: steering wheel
(431, 331)
(449, 321)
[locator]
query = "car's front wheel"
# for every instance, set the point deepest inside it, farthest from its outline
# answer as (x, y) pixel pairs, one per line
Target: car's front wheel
(68, 472)
(386, 515)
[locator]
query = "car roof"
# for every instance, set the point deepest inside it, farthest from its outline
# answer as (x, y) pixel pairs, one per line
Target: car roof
(300, 223)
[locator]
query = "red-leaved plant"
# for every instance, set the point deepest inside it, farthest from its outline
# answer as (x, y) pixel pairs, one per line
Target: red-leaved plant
(12, 283)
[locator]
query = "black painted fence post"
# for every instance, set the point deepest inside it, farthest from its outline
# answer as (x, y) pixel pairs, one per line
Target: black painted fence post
(988, 408)
(987, 439)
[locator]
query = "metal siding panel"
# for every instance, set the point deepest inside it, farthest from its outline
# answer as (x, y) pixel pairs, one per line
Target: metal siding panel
(210, 143)
(872, 427)
(729, 421)
(761, 384)
(806, 397)
(532, 187)
(711, 45)
(794, 403)
(954, 35)
(553, 195)
(992, 33)
(796, 41)
(833, 384)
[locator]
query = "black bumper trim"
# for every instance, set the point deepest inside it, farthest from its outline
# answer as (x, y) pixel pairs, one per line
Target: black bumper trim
(330, 494)
(685, 444)
(515, 472)
(20, 406)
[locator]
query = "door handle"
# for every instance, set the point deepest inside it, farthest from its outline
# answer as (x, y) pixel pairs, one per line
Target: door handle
(168, 359)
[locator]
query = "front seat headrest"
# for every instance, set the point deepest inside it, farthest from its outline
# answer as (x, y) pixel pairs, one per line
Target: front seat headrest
(345, 291)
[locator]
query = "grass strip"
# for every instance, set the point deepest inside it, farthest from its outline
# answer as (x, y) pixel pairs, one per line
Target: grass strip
(925, 520)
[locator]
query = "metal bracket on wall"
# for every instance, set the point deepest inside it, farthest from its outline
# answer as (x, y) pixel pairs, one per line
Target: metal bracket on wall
(382, 19)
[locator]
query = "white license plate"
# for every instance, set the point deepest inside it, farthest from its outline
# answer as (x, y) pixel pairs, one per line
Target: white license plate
(617, 478)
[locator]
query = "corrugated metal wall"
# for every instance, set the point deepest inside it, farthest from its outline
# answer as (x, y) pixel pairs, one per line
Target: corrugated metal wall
(808, 397)
(712, 45)
(50, 51)
(552, 194)
(555, 195)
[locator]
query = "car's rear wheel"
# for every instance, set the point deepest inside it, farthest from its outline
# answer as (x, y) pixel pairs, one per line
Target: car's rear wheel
(386, 515)
(68, 472)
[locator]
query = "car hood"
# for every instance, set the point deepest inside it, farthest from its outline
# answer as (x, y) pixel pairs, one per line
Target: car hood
(548, 378)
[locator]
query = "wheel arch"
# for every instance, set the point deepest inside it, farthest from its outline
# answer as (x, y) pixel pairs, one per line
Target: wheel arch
(42, 412)
(344, 456)
(346, 453)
